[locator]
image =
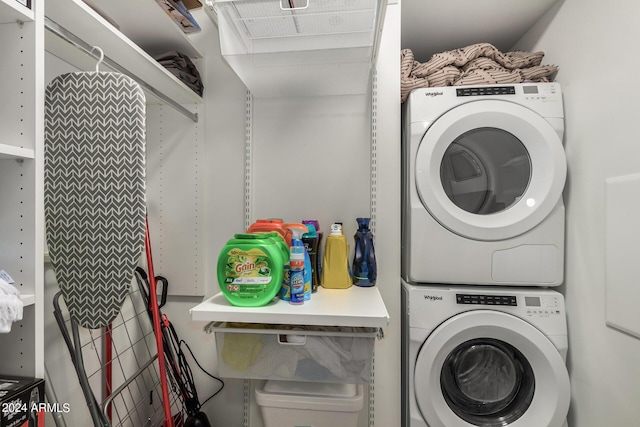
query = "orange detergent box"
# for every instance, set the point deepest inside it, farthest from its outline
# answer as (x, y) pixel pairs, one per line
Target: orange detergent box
(21, 402)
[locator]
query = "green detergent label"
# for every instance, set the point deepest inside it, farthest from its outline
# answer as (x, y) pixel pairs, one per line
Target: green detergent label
(248, 273)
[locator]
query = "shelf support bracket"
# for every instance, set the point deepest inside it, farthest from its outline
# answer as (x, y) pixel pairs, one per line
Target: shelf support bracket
(74, 40)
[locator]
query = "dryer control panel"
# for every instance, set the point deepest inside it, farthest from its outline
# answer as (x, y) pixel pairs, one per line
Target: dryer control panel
(528, 92)
(486, 90)
(486, 299)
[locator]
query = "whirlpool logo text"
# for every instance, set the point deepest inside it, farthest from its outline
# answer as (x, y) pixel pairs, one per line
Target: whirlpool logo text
(433, 298)
(432, 94)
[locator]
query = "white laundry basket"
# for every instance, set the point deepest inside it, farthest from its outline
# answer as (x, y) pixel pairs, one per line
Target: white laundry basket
(298, 403)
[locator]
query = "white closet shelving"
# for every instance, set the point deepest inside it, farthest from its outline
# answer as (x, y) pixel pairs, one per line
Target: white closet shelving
(12, 11)
(22, 86)
(290, 50)
(8, 151)
(145, 30)
(353, 307)
(291, 70)
(21, 218)
(296, 48)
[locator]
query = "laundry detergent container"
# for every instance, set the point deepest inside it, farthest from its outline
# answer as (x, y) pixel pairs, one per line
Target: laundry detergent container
(298, 403)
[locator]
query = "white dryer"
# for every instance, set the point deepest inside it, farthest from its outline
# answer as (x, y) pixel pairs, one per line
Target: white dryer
(484, 356)
(483, 173)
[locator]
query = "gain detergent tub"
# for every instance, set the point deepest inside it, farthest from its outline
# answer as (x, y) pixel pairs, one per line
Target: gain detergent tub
(251, 268)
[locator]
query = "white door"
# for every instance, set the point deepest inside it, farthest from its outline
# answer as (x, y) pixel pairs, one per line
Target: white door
(490, 170)
(489, 368)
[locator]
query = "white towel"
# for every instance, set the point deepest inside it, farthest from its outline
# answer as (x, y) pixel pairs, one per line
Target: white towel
(10, 306)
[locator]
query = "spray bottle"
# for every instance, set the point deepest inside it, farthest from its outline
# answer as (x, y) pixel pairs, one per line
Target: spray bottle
(296, 275)
(296, 241)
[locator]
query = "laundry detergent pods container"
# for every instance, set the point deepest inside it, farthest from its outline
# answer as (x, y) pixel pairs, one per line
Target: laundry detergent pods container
(271, 225)
(250, 269)
(299, 403)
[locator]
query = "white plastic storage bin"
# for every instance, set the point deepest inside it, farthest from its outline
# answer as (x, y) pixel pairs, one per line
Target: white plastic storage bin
(292, 404)
(294, 353)
(300, 47)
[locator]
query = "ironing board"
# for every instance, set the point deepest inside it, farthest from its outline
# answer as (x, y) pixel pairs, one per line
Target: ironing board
(94, 190)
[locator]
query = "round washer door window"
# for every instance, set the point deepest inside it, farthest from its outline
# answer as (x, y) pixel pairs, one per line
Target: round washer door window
(490, 368)
(490, 170)
(487, 382)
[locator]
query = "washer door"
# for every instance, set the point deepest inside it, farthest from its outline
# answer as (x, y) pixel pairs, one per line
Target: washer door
(489, 368)
(490, 170)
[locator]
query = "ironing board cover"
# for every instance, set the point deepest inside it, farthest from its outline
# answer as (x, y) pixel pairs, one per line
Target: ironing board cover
(94, 189)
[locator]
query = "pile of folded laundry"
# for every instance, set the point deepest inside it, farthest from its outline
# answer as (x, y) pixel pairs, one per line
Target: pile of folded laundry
(476, 64)
(10, 306)
(183, 68)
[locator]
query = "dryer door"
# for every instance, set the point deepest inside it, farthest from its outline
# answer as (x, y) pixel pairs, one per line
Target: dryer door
(489, 368)
(490, 170)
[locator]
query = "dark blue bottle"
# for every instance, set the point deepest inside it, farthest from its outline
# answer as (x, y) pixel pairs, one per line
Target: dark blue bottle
(364, 268)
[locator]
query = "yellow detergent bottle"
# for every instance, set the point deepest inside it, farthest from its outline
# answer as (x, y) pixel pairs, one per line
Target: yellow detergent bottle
(335, 262)
(250, 269)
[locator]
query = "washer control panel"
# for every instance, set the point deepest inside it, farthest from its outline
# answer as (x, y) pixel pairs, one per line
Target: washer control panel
(532, 306)
(542, 306)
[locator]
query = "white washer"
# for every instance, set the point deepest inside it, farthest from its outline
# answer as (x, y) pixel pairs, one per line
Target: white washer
(484, 356)
(483, 173)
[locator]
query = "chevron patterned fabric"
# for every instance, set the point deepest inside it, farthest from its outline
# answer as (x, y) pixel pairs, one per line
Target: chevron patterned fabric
(94, 189)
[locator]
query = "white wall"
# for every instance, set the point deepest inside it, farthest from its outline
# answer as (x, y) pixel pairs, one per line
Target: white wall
(593, 44)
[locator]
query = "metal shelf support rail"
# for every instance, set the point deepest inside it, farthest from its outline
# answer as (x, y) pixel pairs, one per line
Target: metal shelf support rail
(74, 40)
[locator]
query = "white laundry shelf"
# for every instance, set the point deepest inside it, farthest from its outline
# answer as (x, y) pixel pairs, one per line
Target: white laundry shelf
(12, 11)
(356, 307)
(28, 299)
(83, 22)
(12, 152)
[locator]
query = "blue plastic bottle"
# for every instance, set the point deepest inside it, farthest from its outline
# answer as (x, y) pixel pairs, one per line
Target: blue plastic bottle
(365, 270)
(296, 241)
(296, 265)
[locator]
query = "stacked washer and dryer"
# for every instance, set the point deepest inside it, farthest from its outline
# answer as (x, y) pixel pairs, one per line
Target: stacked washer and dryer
(484, 338)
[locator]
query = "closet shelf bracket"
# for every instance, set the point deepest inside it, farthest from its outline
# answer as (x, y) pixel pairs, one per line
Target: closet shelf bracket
(77, 42)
